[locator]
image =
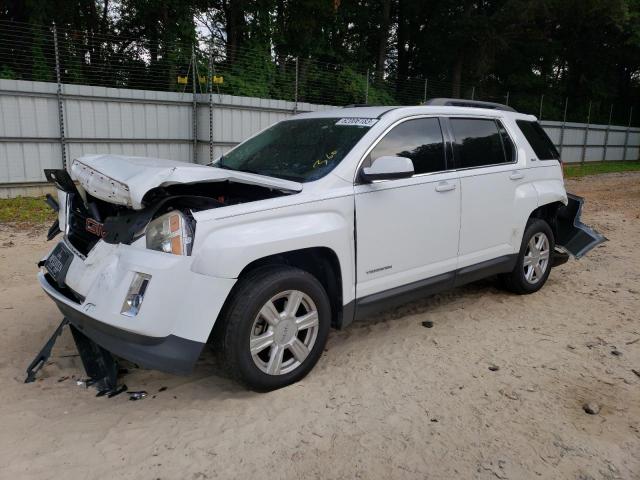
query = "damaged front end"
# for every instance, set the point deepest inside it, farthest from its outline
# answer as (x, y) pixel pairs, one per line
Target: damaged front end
(85, 218)
(128, 235)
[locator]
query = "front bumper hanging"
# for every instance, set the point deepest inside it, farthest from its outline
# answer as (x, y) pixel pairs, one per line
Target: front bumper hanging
(100, 366)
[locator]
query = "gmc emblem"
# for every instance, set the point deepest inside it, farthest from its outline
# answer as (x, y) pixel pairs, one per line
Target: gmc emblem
(95, 227)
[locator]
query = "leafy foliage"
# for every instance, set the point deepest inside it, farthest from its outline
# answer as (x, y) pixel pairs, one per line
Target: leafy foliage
(529, 52)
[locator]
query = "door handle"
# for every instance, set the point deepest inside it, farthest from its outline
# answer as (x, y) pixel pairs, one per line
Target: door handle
(445, 187)
(516, 175)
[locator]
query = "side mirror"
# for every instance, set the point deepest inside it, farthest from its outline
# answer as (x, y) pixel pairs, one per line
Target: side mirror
(387, 168)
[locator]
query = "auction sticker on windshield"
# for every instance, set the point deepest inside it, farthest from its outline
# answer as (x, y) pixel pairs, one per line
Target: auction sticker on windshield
(357, 122)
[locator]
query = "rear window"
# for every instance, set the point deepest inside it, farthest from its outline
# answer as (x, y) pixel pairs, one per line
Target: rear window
(539, 141)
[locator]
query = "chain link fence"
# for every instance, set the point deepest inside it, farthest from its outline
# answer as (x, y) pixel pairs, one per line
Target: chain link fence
(32, 52)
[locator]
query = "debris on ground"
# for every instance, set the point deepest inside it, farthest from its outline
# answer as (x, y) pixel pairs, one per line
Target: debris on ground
(110, 393)
(427, 324)
(592, 408)
(494, 368)
(595, 343)
(137, 395)
(510, 395)
(616, 352)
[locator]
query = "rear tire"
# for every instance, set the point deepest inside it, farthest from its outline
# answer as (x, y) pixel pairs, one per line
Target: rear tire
(534, 259)
(276, 327)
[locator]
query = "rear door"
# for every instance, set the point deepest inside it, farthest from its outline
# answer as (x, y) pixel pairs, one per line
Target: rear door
(407, 229)
(489, 177)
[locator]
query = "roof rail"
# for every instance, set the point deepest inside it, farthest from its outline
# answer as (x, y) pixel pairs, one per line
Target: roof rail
(458, 102)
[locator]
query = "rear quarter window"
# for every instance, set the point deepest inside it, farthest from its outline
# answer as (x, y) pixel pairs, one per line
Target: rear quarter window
(480, 142)
(539, 140)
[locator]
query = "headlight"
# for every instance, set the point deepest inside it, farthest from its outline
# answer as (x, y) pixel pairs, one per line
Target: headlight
(170, 233)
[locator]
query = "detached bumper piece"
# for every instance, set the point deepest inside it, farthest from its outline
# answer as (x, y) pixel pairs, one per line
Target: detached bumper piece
(572, 235)
(99, 364)
(44, 354)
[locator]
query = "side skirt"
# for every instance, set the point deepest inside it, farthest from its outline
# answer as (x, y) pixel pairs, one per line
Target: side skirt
(394, 297)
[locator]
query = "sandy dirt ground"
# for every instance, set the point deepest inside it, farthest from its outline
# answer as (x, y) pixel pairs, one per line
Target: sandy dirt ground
(388, 399)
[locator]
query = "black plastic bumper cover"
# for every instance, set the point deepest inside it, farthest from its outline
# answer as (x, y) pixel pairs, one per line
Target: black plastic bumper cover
(170, 354)
(573, 235)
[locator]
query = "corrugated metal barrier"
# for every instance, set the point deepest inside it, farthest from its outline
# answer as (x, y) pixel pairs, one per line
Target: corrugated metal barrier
(161, 124)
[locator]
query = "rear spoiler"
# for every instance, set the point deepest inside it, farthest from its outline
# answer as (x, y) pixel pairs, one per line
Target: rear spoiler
(571, 234)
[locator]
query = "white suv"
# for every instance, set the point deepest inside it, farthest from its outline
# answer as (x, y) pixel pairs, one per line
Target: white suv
(316, 221)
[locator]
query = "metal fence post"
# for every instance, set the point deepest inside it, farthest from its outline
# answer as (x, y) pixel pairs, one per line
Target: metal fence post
(540, 114)
(210, 88)
(295, 98)
(606, 135)
(473, 93)
(63, 147)
(564, 123)
(194, 108)
(507, 99)
(426, 84)
(626, 135)
(366, 92)
(586, 134)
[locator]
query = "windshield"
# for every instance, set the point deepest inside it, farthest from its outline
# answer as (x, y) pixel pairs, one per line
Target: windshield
(299, 150)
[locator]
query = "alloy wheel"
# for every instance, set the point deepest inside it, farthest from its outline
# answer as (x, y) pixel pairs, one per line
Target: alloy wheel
(284, 332)
(536, 258)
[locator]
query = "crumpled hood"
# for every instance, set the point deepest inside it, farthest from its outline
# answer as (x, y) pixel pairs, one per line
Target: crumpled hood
(125, 180)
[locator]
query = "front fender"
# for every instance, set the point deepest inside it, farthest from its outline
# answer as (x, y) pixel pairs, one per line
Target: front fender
(227, 250)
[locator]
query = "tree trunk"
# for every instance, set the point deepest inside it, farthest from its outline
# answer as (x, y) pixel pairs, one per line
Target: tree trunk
(382, 39)
(234, 13)
(456, 76)
(458, 66)
(403, 39)
(278, 40)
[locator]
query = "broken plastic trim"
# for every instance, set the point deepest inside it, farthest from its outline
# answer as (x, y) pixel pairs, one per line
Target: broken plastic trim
(572, 235)
(43, 355)
(101, 367)
(128, 226)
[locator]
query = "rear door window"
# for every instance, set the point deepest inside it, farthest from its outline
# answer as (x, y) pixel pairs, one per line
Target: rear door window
(420, 140)
(539, 140)
(480, 142)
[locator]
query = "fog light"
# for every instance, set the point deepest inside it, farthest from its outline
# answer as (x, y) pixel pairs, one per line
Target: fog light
(135, 295)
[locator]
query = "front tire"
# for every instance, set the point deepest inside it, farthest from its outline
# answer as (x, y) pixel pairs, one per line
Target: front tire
(276, 327)
(534, 260)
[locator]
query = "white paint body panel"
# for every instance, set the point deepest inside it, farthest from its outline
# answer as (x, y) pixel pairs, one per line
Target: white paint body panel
(404, 224)
(407, 231)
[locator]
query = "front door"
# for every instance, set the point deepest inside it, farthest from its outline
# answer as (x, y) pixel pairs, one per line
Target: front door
(407, 229)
